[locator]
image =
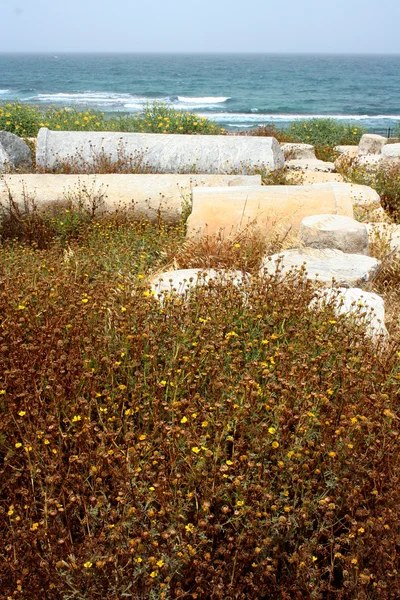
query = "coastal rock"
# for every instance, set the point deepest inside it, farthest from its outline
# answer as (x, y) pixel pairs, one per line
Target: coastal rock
(310, 164)
(371, 143)
(182, 281)
(298, 151)
(162, 153)
(327, 266)
(367, 309)
(391, 151)
(334, 231)
(144, 196)
(223, 211)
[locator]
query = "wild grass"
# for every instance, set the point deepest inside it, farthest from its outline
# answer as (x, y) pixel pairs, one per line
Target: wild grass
(385, 179)
(210, 447)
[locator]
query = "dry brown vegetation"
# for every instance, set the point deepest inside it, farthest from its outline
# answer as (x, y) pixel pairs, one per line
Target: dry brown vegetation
(228, 446)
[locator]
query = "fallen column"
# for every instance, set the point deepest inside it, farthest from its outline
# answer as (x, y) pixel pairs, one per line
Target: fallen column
(145, 196)
(226, 211)
(161, 153)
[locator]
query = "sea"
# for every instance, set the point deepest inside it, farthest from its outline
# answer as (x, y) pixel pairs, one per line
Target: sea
(239, 91)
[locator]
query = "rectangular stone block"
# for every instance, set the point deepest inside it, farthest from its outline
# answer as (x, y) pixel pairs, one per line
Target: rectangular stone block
(147, 196)
(163, 153)
(226, 211)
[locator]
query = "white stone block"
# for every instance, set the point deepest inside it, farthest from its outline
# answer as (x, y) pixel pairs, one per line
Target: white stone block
(163, 153)
(326, 266)
(310, 164)
(334, 231)
(298, 151)
(367, 309)
(371, 143)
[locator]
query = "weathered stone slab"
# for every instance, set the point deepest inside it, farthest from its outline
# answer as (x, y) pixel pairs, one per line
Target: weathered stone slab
(310, 177)
(298, 151)
(366, 308)
(226, 211)
(334, 231)
(327, 266)
(347, 150)
(163, 153)
(147, 196)
(364, 196)
(4, 160)
(310, 164)
(18, 152)
(391, 151)
(371, 143)
(182, 281)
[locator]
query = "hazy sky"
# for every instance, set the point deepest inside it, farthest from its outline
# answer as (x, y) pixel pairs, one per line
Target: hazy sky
(367, 26)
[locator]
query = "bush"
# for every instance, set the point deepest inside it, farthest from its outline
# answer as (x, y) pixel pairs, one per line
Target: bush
(326, 132)
(212, 448)
(26, 121)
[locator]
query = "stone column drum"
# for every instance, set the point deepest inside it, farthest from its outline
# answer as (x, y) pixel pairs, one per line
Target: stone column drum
(162, 153)
(144, 196)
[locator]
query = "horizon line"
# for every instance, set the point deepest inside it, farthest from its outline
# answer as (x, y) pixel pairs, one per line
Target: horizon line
(198, 52)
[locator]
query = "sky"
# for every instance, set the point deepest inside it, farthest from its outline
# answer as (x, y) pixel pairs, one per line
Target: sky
(335, 26)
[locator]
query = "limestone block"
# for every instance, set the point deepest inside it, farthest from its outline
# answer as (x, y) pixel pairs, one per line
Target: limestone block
(364, 196)
(371, 143)
(370, 162)
(334, 231)
(298, 151)
(4, 160)
(18, 151)
(309, 177)
(148, 196)
(326, 266)
(367, 309)
(391, 151)
(182, 281)
(163, 153)
(310, 164)
(347, 150)
(226, 211)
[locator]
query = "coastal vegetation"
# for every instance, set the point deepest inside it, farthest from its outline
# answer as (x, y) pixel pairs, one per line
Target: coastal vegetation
(25, 121)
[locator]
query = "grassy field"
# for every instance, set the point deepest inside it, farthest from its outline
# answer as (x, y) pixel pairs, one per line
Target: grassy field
(234, 445)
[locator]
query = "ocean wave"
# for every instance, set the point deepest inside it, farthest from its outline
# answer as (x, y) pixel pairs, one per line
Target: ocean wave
(129, 101)
(87, 97)
(235, 118)
(4, 91)
(203, 101)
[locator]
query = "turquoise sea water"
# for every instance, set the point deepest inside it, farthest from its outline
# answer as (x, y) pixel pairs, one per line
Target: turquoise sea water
(238, 91)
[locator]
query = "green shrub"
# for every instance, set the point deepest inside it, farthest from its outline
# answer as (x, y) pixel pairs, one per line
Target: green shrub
(326, 132)
(157, 117)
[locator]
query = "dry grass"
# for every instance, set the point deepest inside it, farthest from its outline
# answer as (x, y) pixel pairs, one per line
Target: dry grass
(208, 448)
